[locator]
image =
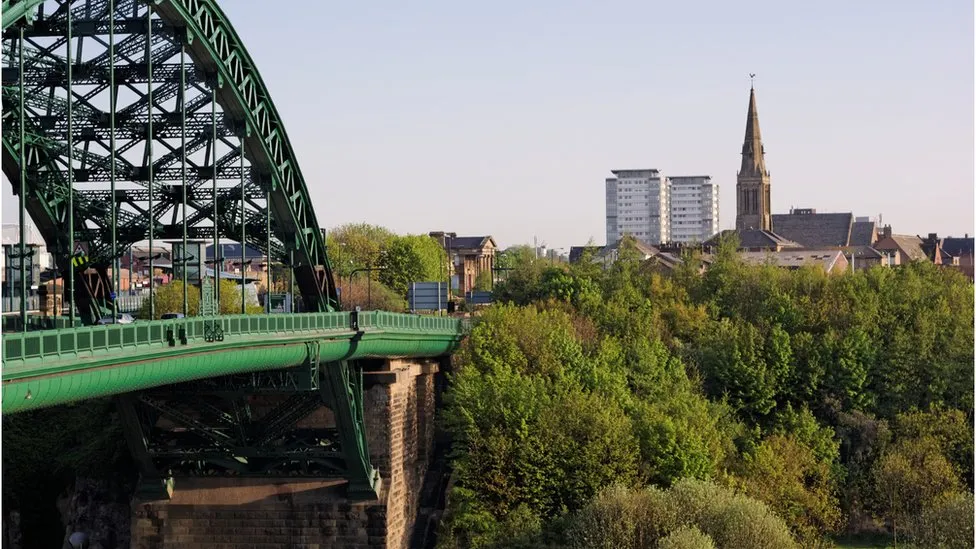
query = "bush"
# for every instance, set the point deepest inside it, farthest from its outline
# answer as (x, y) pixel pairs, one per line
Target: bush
(168, 298)
(372, 296)
(692, 513)
(948, 524)
(687, 537)
(745, 523)
(618, 517)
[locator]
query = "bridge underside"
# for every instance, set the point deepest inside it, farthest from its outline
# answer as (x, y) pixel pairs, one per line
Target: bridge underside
(299, 422)
(212, 503)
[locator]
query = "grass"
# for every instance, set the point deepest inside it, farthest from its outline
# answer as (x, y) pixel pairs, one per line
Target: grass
(865, 541)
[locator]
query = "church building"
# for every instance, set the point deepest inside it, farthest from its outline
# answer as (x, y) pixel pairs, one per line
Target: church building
(759, 230)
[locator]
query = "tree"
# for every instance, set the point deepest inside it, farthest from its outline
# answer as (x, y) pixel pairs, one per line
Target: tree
(484, 282)
(168, 298)
(230, 300)
(370, 295)
(913, 477)
(412, 258)
(786, 474)
(515, 256)
(356, 245)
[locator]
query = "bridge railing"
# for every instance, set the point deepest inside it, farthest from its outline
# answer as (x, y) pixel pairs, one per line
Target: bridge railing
(90, 340)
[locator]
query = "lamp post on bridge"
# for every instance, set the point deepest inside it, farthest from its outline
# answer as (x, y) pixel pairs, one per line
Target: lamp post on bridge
(242, 265)
(369, 281)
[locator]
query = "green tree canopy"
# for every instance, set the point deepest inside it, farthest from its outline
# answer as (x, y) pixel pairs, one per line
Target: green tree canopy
(356, 245)
(412, 258)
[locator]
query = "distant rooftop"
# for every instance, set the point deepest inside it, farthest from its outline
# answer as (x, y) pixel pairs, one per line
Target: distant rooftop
(625, 173)
(794, 258)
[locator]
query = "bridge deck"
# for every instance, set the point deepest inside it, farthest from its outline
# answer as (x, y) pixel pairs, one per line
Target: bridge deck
(51, 367)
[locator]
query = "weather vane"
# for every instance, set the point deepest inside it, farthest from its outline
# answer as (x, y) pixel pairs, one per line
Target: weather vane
(752, 77)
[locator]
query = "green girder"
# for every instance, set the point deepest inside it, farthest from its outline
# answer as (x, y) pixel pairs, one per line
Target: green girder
(52, 367)
(248, 112)
(244, 96)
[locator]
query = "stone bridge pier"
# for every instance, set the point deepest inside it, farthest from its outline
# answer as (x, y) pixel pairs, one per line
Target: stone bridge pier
(314, 513)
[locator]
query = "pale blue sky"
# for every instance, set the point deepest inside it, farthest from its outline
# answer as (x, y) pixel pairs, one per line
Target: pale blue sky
(505, 117)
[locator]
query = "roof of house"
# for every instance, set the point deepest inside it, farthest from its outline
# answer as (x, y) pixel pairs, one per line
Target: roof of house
(668, 259)
(863, 233)
(233, 251)
(958, 247)
(576, 252)
(755, 238)
(815, 230)
(909, 245)
(863, 252)
(794, 258)
(472, 242)
(645, 249)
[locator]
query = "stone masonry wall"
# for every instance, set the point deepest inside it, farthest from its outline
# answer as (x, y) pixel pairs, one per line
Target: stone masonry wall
(226, 513)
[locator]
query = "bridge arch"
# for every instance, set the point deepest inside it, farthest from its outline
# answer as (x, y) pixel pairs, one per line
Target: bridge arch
(190, 113)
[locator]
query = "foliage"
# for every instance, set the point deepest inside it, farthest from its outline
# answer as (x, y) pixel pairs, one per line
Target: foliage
(915, 476)
(783, 383)
(691, 513)
(370, 295)
(484, 282)
(169, 299)
(948, 524)
(411, 258)
(787, 475)
(230, 300)
(356, 245)
(515, 257)
(527, 440)
(686, 537)
(53, 446)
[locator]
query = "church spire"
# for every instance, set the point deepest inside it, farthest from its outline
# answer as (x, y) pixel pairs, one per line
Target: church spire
(752, 185)
(753, 154)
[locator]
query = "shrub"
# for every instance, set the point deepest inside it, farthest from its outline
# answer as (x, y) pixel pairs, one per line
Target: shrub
(620, 518)
(686, 537)
(948, 524)
(370, 296)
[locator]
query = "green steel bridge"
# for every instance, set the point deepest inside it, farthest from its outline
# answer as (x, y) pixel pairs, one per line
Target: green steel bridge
(132, 121)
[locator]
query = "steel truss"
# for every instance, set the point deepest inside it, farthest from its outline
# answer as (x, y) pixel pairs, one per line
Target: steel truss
(173, 134)
(213, 427)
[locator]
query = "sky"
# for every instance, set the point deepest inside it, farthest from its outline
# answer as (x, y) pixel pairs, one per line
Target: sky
(505, 118)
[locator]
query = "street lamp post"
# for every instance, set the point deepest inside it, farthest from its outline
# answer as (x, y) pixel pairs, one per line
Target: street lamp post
(369, 282)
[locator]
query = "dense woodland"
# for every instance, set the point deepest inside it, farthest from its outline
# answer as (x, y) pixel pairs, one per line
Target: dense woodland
(743, 407)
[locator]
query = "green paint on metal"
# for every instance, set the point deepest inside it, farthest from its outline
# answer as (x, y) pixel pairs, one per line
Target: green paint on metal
(58, 366)
(208, 305)
(248, 112)
(343, 390)
(266, 143)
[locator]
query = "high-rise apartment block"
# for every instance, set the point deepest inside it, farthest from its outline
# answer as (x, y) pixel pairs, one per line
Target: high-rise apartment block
(638, 204)
(657, 209)
(694, 208)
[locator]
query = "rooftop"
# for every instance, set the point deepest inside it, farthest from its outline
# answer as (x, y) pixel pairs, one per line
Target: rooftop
(794, 258)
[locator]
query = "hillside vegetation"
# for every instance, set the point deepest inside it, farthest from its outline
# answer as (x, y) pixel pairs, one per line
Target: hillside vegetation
(632, 407)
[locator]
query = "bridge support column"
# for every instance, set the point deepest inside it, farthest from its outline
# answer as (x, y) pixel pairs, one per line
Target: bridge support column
(225, 512)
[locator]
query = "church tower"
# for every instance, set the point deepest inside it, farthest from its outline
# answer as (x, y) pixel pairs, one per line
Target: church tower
(752, 183)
